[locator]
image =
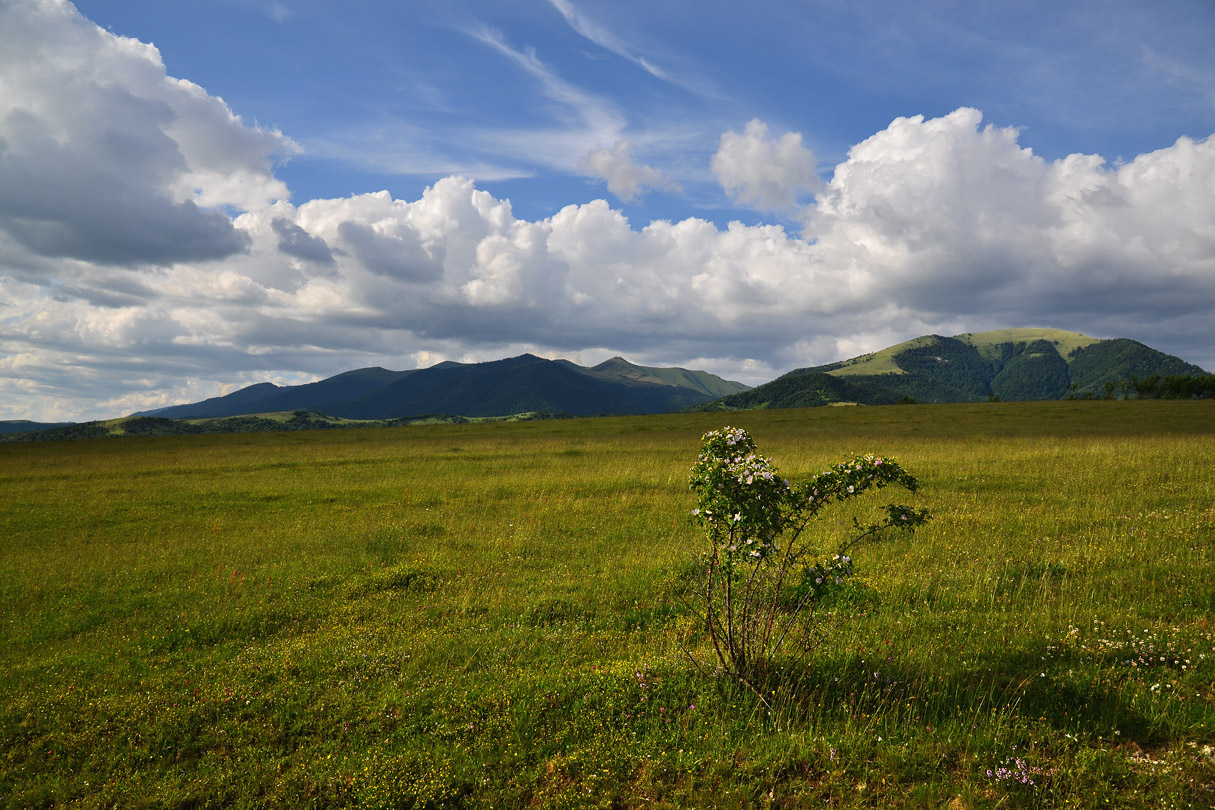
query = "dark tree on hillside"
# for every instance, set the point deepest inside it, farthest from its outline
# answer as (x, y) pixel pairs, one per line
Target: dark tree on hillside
(1177, 386)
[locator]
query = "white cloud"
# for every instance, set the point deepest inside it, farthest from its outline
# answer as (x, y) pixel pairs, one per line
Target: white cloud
(104, 158)
(770, 173)
(948, 217)
(626, 179)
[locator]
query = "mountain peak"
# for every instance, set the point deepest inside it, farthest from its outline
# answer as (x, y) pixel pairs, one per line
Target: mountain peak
(613, 363)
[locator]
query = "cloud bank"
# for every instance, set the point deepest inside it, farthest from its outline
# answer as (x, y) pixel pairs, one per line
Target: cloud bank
(148, 254)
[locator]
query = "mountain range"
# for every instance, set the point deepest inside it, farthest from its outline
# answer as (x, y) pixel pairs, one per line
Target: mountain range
(1009, 364)
(524, 384)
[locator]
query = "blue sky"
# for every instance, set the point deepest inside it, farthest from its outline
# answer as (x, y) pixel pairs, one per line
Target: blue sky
(196, 190)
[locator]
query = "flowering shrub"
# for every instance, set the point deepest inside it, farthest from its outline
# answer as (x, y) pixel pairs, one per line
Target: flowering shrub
(761, 579)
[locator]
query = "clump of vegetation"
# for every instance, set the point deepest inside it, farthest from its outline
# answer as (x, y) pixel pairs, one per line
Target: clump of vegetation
(762, 579)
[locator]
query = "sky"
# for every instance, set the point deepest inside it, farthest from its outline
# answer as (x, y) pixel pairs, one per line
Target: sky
(199, 195)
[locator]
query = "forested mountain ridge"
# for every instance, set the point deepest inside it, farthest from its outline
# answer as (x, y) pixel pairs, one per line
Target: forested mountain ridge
(1011, 364)
(523, 384)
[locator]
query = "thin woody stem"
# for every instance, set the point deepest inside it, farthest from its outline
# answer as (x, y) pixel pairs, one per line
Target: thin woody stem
(714, 629)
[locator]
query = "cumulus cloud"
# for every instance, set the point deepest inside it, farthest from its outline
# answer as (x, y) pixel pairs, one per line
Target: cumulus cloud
(104, 158)
(931, 225)
(625, 178)
(947, 216)
(757, 169)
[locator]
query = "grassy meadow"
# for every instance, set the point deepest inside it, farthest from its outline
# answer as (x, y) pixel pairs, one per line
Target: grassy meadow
(494, 615)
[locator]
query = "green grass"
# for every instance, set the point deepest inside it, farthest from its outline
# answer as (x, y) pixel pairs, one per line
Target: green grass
(492, 616)
(1065, 342)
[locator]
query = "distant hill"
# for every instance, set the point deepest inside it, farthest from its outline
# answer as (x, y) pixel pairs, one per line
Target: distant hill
(524, 384)
(287, 421)
(1010, 364)
(25, 426)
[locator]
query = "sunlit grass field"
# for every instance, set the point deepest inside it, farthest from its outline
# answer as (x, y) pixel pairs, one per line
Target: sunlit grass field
(496, 616)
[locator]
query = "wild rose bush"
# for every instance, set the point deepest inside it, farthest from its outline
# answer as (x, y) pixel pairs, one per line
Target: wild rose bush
(762, 579)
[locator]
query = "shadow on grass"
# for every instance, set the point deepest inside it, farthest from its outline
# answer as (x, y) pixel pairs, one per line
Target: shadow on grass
(1015, 684)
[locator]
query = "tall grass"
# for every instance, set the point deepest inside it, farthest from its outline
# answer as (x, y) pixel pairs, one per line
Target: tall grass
(492, 615)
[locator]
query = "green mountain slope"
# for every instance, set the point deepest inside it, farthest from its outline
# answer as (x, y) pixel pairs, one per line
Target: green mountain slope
(622, 370)
(1119, 360)
(523, 384)
(270, 398)
(1009, 364)
(1030, 371)
(809, 390)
